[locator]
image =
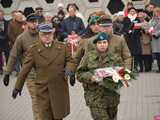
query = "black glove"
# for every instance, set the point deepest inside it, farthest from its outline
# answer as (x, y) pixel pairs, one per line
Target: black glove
(15, 92)
(72, 80)
(156, 37)
(71, 76)
(6, 80)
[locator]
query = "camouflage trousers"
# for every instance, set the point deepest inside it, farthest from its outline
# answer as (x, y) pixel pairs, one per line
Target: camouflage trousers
(104, 113)
(32, 91)
(103, 103)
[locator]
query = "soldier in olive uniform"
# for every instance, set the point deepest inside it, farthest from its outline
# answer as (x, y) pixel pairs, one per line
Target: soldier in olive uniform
(103, 102)
(90, 33)
(50, 59)
(21, 45)
(117, 44)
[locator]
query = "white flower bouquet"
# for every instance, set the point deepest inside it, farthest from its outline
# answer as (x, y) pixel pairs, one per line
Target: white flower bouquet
(114, 77)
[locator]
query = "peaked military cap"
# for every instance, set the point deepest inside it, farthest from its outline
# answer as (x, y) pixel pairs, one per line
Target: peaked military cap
(32, 17)
(45, 27)
(101, 36)
(105, 22)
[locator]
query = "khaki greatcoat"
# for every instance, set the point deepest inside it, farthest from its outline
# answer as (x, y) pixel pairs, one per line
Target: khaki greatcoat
(52, 87)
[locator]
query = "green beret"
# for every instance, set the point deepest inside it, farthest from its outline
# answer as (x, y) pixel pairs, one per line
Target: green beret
(93, 19)
(101, 36)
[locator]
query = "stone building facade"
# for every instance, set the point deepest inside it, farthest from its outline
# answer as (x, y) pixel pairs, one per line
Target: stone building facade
(85, 6)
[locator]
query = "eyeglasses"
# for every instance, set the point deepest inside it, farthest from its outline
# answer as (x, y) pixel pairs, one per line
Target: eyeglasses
(39, 10)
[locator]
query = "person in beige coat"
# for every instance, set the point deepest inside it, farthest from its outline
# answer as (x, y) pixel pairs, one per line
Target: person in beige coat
(52, 61)
(18, 52)
(15, 27)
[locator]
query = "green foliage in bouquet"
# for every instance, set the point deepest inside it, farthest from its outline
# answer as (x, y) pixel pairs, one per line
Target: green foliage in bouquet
(108, 83)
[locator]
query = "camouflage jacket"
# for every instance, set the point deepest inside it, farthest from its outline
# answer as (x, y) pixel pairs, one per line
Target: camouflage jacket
(85, 71)
(94, 60)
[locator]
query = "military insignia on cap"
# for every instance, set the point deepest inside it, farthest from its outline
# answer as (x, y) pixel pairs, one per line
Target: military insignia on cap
(101, 37)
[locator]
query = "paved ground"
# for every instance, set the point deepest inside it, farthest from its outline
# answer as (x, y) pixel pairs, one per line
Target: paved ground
(139, 102)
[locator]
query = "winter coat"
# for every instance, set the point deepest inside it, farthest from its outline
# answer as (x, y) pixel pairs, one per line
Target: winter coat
(51, 85)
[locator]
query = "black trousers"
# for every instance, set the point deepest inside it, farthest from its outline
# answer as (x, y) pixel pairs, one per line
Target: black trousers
(147, 62)
(138, 62)
(6, 51)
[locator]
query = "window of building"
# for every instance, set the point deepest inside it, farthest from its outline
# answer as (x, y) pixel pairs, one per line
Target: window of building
(115, 6)
(49, 1)
(93, 0)
(6, 3)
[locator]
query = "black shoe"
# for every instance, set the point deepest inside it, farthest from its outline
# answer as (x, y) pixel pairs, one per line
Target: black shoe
(140, 70)
(147, 70)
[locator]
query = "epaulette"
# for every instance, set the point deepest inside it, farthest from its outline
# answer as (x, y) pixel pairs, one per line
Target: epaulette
(60, 44)
(34, 44)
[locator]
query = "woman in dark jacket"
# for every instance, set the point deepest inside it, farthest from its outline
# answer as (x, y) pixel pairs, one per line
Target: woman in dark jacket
(132, 34)
(72, 24)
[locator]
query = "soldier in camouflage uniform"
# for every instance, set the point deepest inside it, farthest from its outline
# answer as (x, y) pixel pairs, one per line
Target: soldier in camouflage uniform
(103, 103)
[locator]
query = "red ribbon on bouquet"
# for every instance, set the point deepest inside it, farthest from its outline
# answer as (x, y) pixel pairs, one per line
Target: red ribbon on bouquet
(73, 42)
(121, 73)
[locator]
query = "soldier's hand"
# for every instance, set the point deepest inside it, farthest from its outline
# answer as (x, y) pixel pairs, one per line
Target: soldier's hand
(6, 80)
(15, 92)
(72, 80)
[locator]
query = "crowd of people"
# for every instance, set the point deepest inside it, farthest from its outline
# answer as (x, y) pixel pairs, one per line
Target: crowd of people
(40, 48)
(135, 26)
